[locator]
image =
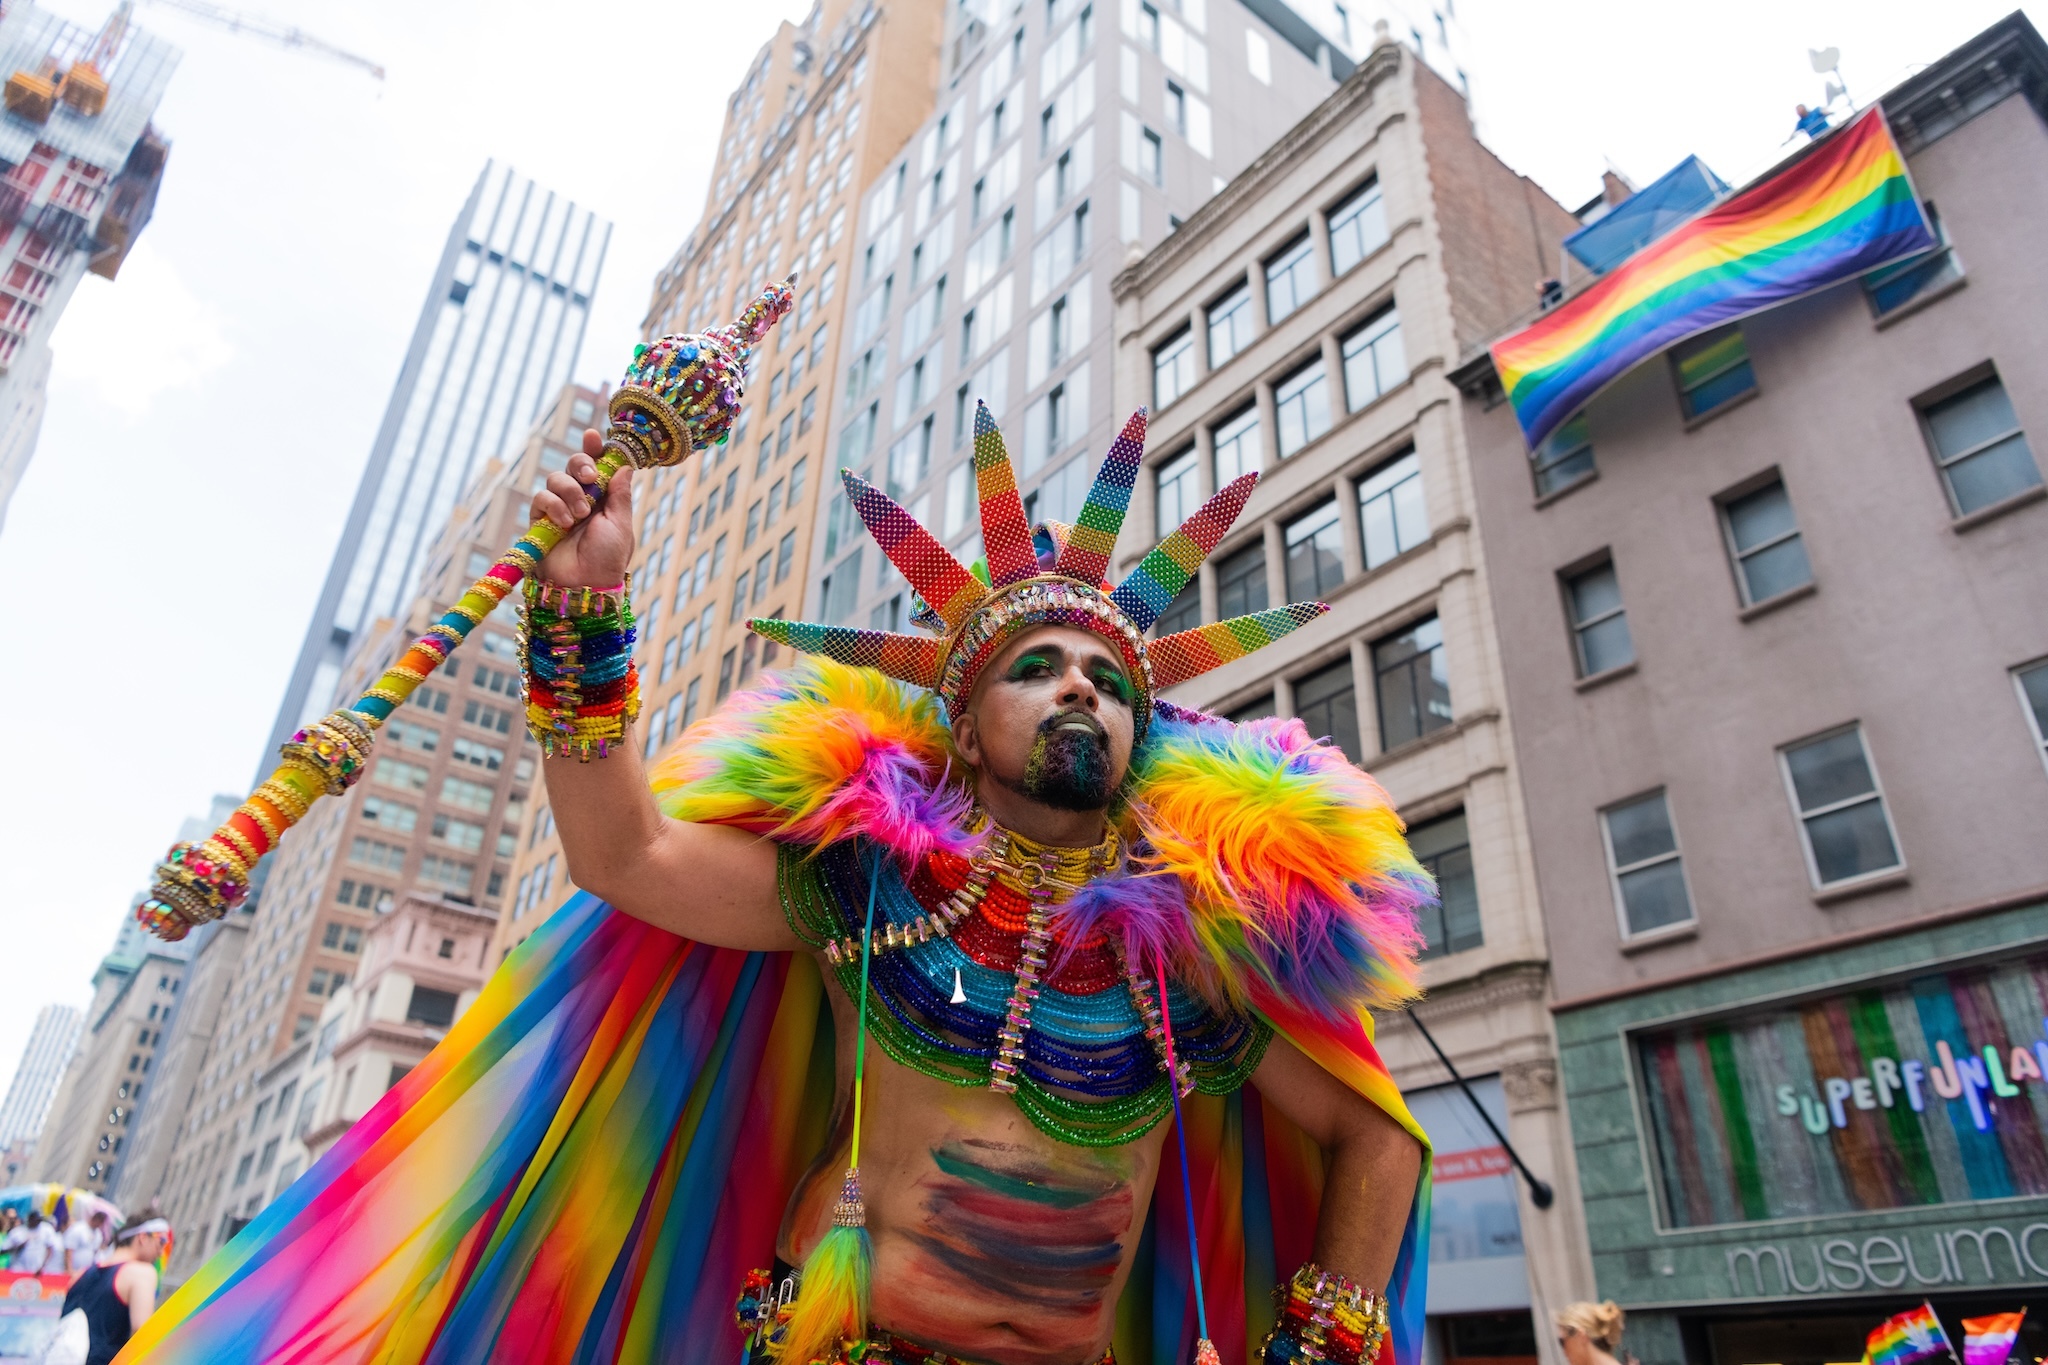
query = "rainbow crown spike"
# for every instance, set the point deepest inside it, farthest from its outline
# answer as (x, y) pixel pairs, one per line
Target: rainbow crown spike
(941, 580)
(1089, 541)
(1005, 535)
(1025, 586)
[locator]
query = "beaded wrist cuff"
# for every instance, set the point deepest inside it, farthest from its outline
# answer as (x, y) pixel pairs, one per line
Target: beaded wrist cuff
(1325, 1317)
(576, 651)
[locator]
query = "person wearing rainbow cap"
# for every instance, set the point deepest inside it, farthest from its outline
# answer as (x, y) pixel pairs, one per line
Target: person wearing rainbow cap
(903, 977)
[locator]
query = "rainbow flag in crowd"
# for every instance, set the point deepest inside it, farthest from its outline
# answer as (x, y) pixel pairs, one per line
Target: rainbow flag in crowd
(1844, 208)
(1989, 1341)
(1912, 1335)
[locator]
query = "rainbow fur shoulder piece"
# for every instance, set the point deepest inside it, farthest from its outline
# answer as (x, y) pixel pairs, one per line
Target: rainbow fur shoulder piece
(1264, 863)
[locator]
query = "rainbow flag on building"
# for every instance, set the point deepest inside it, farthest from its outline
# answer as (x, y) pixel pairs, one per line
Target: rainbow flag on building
(1989, 1341)
(1846, 207)
(1912, 1335)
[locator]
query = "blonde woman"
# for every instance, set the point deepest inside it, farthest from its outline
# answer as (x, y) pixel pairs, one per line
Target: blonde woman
(1589, 1333)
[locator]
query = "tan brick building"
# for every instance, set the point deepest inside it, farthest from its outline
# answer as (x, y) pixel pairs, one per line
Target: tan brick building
(1302, 324)
(727, 535)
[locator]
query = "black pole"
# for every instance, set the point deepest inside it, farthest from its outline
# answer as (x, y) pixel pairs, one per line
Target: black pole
(1540, 1193)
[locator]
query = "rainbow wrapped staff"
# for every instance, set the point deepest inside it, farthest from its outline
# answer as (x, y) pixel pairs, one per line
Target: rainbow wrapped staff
(681, 394)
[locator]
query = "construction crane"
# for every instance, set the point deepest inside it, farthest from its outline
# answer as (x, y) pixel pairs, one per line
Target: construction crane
(235, 21)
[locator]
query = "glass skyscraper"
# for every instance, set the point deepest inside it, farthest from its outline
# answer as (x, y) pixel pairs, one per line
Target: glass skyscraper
(498, 336)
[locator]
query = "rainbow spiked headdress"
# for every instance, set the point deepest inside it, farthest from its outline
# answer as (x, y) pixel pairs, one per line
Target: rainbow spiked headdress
(974, 611)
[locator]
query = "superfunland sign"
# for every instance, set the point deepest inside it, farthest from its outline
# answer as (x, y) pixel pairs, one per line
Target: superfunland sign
(1929, 1090)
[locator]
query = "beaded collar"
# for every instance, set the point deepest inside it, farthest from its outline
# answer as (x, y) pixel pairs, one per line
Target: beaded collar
(970, 984)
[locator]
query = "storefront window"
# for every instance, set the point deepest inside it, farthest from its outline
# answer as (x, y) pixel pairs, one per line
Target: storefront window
(1927, 1090)
(1475, 1241)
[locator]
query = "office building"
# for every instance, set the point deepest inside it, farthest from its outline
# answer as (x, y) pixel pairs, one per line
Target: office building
(726, 535)
(135, 999)
(496, 339)
(1776, 650)
(1300, 325)
(39, 1072)
(437, 815)
(1066, 136)
(79, 169)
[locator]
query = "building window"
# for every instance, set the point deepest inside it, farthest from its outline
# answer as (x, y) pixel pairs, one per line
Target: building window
(1151, 156)
(1392, 519)
(1903, 281)
(2032, 682)
(1326, 701)
(1977, 441)
(1599, 625)
(1184, 612)
(1237, 446)
(1230, 325)
(1302, 407)
(1178, 495)
(1642, 857)
(1290, 278)
(1713, 371)
(435, 1009)
(1444, 849)
(1842, 816)
(1374, 361)
(1241, 582)
(1173, 368)
(1763, 540)
(1413, 685)
(1564, 458)
(1357, 227)
(1315, 561)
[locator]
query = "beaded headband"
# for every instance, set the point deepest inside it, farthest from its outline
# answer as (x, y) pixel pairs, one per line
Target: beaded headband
(973, 611)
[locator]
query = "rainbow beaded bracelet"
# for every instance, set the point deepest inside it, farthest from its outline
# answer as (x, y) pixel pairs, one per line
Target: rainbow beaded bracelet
(576, 652)
(1325, 1317)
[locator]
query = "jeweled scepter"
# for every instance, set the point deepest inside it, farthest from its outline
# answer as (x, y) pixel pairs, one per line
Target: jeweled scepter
(681, 394)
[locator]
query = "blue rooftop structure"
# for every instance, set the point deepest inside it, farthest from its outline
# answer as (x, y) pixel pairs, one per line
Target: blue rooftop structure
(1645, 216)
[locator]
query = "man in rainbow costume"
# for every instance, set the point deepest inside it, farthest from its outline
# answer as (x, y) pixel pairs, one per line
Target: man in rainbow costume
(1013, 1014)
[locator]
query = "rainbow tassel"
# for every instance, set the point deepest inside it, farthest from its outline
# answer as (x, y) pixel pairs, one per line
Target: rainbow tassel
(830, 1317)
(831, 1310)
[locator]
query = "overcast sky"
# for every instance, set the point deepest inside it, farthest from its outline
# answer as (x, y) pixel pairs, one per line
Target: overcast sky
(211, 410)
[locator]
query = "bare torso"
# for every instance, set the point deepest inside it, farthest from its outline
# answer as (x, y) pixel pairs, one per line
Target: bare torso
(993, 1241)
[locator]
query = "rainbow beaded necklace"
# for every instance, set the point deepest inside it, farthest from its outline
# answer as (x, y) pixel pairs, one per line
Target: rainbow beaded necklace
(969, 983)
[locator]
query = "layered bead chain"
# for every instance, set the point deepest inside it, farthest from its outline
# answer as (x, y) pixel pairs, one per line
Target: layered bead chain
(975, 986)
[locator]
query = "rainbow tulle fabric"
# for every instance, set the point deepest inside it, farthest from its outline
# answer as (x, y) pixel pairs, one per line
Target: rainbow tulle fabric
(603, 1145)
(1844, 208)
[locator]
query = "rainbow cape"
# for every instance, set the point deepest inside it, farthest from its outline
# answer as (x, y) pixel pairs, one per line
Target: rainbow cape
(605, 1142)
(1844, 207)
(1915, 1334)
(1989, 1340)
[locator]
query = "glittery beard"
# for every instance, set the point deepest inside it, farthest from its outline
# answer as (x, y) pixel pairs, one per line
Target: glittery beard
(1067, 770)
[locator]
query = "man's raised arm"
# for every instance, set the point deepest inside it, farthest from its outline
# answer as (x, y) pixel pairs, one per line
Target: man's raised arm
(1370, 1164)
(706, 882)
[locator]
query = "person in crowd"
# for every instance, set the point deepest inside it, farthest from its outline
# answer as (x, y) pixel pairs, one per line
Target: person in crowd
(118, 1295)
(1589, 1333)
(81, 1242)
(12, 1236)
(41, 1253)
